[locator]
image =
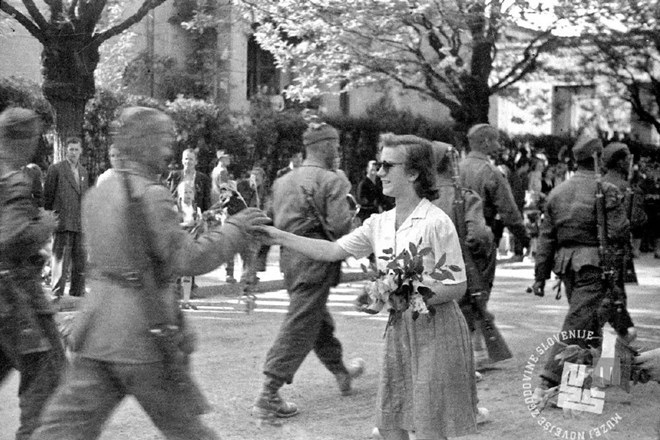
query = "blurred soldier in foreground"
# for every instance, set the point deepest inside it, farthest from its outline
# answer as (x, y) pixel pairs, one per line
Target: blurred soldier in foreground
(130, 337)
(570, 244)
(29, 340)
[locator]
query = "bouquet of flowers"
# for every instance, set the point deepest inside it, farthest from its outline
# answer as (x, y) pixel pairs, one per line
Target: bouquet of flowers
(400, 285)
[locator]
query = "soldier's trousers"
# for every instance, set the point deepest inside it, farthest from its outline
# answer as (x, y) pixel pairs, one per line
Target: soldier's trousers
(92, 389)
(584, 292)
(308, 324)
(39, 375)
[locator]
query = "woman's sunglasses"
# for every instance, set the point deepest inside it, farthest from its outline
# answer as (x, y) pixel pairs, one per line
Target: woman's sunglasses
(386, 166)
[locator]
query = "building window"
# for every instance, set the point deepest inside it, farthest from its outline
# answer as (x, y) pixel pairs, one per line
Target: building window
(262, 74)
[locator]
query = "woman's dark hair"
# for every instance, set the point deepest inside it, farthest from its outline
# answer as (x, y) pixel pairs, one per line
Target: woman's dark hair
(419, 159)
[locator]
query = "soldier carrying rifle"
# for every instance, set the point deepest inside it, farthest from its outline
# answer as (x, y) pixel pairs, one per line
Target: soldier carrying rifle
(583, 230)
(29, 340)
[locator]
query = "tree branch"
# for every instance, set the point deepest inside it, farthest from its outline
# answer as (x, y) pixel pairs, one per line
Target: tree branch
(130, 21)
(35, 14)
(32, 28)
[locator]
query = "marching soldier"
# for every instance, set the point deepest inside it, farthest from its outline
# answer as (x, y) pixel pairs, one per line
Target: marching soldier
(569, 246)
(29, 340)
(617, 160)
(481, 176)
(130, 337)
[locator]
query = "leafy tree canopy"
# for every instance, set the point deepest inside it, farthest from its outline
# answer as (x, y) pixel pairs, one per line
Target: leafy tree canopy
(455, 52)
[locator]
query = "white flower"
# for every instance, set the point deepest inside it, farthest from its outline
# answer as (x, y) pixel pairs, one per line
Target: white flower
(417, 303)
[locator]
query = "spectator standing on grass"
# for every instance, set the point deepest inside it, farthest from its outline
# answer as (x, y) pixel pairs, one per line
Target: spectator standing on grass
(66, 182)
(427, 383)
(29, 339)
(309, 201)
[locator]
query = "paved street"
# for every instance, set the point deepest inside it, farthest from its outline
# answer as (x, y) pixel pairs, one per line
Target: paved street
(516, 311)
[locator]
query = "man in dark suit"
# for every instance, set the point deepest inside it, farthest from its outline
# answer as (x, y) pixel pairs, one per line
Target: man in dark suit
(66, 182)
(201, 182)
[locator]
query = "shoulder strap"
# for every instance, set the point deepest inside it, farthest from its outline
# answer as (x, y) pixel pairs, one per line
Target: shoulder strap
(154, 307)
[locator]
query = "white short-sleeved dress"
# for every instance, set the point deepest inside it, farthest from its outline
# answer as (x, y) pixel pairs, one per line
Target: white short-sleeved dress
(427, 382)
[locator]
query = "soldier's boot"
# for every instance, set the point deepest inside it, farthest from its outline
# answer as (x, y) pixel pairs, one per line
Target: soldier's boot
(270, 406)
(344, 380)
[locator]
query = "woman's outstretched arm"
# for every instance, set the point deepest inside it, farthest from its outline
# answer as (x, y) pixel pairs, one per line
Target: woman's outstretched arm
(314, 248)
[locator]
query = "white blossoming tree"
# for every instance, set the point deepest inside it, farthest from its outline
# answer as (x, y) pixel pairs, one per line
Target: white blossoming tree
(620, 40)
(456, 52)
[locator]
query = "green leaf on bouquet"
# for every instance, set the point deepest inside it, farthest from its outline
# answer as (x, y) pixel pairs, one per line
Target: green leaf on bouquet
(388, 251)
(420, 241)
(448, 274)
(384, 258)
(438, 276)
(364, 268)
(454, 268)
(441, 262)
(413, 249)
(425, 251)
(392, 265)
(425, 292)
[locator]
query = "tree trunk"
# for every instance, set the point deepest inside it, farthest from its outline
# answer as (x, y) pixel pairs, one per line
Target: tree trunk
(69, 61)
(69, 117)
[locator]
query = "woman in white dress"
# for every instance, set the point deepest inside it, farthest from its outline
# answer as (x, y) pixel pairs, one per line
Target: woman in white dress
(427, 383)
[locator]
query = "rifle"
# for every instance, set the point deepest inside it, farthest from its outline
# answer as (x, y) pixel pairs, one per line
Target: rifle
(477, 286)
(612, 309)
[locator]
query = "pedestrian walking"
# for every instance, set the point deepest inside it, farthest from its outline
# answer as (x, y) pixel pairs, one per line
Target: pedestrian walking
(569, 246)
(427, 383)
(130, 337)
(309, 201)
(29, 340)
(66, 183)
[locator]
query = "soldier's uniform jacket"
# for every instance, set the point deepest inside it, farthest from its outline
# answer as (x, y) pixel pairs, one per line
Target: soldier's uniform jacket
(569, 233)
(294, 213)
(479, 238)
(481, 176)
(634, 200)
(113, 326)
(23, 232)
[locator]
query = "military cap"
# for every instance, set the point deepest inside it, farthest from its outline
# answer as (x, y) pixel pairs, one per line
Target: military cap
(139, 128)
(316, 133)
(477, 128)
(611, 149)
(585, 148)
(18, 124)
